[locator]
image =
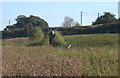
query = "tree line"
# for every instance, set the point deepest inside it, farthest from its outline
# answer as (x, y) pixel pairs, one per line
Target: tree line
(24, 26)
(33, 21)
(27, 22)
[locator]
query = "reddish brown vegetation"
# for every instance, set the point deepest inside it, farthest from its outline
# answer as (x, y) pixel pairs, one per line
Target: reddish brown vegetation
(15, 64)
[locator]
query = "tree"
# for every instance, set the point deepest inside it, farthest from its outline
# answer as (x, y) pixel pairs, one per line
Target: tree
(77, 24)
(119, 20)
(37, 21)
(22, 21)
(106, 18)
(28, 29)
(20, 18)
(68, 22)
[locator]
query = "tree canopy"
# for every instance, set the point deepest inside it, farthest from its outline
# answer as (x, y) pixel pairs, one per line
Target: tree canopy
(77, 24)
(106, 18)
(69, 22)
(22, 21)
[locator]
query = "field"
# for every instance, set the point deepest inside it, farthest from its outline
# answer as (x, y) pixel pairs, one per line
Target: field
(89, 55)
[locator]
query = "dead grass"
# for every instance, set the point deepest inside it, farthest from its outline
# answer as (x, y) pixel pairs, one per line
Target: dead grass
(49, 61)
(57, 61)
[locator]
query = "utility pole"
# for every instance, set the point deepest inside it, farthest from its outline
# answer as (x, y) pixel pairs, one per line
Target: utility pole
(81, 18)
(98, 15)
(9, 25)
(9, 22)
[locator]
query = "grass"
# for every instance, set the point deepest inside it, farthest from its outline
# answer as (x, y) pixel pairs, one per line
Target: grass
(90, 55)
(93, 40)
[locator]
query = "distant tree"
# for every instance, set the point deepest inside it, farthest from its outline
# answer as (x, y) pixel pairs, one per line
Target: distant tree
(7, 28)
(11, 27)
(20, 18)
(22, 21)
(77, 24)
(106, 18)
(37, 21)
(119, 20)
(68, 22)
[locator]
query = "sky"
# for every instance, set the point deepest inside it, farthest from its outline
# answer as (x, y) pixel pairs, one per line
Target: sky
(119, 9)
(55, 12)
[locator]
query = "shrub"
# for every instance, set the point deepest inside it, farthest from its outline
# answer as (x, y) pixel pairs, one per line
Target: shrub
(45, 40)
(37, 34)
(59, 40)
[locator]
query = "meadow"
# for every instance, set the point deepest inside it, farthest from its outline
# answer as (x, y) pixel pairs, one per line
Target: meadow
(89, 55)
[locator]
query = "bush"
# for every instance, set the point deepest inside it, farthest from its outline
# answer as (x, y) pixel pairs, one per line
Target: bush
(59, 40)
(37, 34)
(39, 38)
(45, 41)
(36, 37)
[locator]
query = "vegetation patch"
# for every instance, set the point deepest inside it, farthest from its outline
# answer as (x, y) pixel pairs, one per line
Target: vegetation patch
(84, 59)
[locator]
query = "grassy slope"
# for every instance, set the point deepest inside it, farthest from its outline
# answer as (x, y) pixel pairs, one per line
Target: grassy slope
(90, 55)
(93, 40)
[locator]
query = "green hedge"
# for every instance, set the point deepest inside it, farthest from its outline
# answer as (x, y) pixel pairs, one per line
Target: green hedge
(106, 28)
(13, 33)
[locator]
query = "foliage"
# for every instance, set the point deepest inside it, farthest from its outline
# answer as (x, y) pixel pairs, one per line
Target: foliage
(37, 35)
(92, 40)
(45, 40)
(59, 40)
(13, 33)
(38, 38)
(37, 21)
(68, 22)
(22, 21)
(105, 28)
(119, 20)
(79, 60)
(94, 29)
(28, 28)
(77, 24)
(82, 40)
(106, 18)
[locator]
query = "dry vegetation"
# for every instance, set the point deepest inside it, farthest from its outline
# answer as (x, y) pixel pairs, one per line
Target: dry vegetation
(90, 55)
(0, 57)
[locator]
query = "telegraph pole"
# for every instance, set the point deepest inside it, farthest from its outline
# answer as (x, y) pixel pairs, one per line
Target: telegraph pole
(9, 25)
(9, 22)
(81, 18)
(98, 15)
